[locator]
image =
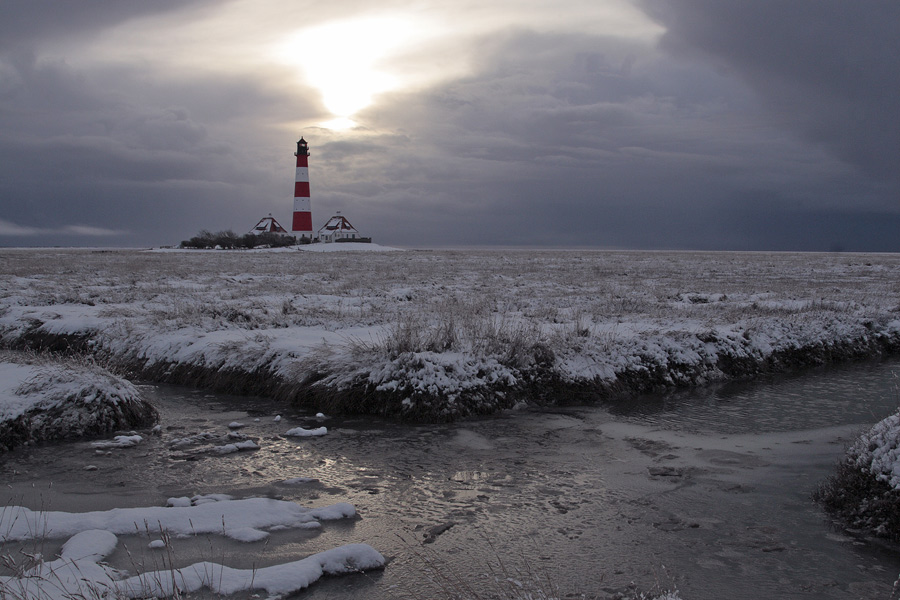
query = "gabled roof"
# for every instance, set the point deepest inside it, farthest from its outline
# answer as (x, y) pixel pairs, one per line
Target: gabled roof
(268, 225)
(337, 224)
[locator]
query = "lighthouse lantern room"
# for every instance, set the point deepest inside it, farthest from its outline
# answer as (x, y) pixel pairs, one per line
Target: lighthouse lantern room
(302, 223)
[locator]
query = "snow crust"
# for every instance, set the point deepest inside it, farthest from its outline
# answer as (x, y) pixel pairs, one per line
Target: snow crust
(236, 447)
(299, 480)
(277, 580)
(119, 441)
(78, 573)
(347, 247)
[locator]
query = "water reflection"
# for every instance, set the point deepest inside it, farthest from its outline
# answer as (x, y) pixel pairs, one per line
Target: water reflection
(843, 395)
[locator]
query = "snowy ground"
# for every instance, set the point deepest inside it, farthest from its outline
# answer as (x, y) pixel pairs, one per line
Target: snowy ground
(440, 334)
(329, 247)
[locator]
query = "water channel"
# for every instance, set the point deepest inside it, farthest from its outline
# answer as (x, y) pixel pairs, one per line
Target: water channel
(707, 491)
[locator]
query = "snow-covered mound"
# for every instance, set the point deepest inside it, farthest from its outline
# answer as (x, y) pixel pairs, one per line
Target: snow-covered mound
(865, 491)
(43, 399)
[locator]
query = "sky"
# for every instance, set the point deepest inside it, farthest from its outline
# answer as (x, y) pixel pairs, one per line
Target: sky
(632, 124)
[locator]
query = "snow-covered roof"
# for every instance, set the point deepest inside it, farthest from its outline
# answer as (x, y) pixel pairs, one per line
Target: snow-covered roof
(268, 224)
(337, 224)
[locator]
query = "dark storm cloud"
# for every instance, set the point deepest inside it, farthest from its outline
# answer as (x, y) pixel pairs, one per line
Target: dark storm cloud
(27, 22)
(568, 140)
(65, 139)
(827, 69)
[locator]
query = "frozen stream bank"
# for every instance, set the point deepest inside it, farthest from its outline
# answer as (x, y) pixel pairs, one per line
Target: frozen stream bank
(669, 493)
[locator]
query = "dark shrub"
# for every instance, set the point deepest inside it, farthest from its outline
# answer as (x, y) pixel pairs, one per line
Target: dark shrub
(230, 240)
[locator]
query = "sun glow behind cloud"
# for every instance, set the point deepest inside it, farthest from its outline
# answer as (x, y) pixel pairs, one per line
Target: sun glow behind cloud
(351, 61)
(348, 60)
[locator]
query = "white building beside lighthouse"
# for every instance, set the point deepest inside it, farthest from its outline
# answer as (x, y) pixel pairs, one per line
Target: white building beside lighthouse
(339, 229)
(268, 224)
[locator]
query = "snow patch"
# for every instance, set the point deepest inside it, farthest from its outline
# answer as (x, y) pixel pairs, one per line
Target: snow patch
(205, 515)
(301, 432)
(120, 441)
(92, 536)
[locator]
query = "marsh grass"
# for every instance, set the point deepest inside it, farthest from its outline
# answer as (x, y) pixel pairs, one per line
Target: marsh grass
(70, 396)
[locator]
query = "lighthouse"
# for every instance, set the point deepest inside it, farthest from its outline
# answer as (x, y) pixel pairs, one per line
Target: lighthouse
(302, 223)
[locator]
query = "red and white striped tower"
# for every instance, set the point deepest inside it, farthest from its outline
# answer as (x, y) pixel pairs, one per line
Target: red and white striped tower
(302, 223)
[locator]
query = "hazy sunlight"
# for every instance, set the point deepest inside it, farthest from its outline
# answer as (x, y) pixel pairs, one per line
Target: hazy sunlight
(346, 60)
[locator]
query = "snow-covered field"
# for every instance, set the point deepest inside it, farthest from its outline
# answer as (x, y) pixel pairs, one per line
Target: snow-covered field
(440, 334)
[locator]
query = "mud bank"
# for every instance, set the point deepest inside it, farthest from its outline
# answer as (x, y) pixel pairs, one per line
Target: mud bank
(537, 380)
